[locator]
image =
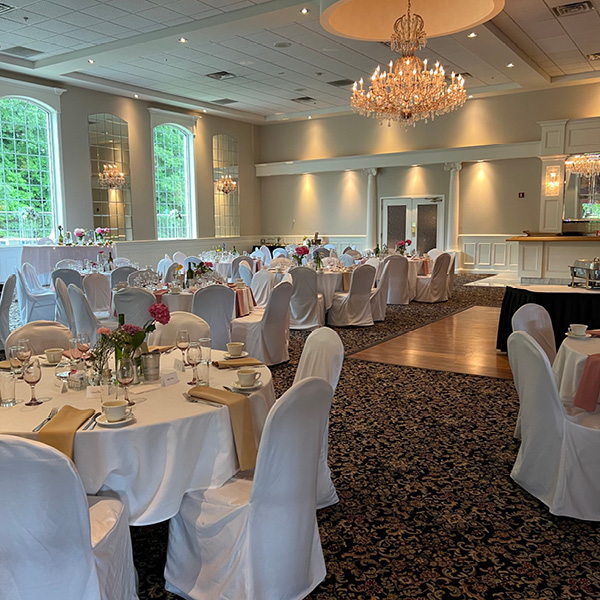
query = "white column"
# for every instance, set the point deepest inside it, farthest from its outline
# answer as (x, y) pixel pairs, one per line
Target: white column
(453, 200)
(371, 208)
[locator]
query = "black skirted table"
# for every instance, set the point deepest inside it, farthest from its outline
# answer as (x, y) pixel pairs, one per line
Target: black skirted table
(565, 305)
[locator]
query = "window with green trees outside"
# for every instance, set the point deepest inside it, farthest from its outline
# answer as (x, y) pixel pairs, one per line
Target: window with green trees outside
(27, 194)
(172, 173)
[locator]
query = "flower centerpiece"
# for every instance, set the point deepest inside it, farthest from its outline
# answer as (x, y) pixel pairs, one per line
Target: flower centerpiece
(301, 252)
(100, 233)
(403, 245)
(204, 273)
(79, 234)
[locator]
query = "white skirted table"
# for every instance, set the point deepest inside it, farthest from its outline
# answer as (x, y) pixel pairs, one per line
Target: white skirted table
(569, 364)
(172, 447)
(44, 258)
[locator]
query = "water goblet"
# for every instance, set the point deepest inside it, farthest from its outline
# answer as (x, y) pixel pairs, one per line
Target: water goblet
(13, 360)
(183, 341)
(32, 373)
(194, 356)
(125, 375)
(74, 353)
(23, 350)
(83, 342)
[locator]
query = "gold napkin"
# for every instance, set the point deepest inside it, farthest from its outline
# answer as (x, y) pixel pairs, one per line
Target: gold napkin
(241, 421)
(60, 431)
(235, 363)
(5, 364)
(346, 281)
(160, 348)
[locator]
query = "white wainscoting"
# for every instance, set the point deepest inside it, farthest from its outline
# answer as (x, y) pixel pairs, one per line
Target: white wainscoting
(486, 253)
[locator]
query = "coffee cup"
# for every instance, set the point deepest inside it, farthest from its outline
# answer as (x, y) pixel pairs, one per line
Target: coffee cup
(116, 410)
(235, 348)
(247, 377)
(239, 283)
(54, 355)
(577, 329)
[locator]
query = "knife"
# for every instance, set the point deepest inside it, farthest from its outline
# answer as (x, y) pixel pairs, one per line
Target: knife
(92, 420)
(200, 401)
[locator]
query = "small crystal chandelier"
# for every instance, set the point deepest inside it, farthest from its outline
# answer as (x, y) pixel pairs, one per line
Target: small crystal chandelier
(226, 184)
(111, 178)
(409, 92)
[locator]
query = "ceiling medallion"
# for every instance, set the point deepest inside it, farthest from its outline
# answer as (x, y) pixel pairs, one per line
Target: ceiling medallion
(409, 92)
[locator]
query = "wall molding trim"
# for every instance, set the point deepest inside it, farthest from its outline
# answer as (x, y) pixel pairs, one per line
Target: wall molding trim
(488, 253)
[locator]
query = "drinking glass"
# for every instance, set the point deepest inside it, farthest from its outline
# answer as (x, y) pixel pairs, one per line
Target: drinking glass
(125, 373)
(73, 350)
(23, 350)
(13, 359)
(194, 356)
(83, 342)
(183, 341)
(206, 346)
(32, 373)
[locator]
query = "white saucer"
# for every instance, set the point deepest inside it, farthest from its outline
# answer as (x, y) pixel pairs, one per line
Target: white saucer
(101, 420)
(45, 363)
(578, 337)
(228, 356)
(236, 386)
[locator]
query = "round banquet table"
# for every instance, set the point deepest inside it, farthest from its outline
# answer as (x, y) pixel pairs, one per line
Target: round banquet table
(328, 283)
(172, 447)
(569, 363)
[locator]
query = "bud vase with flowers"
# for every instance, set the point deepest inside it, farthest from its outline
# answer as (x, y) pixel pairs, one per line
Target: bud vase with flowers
(301, 252)
(403, 245)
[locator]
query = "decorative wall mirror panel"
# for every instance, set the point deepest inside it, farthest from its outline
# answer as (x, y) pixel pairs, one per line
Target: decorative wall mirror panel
(227, 205)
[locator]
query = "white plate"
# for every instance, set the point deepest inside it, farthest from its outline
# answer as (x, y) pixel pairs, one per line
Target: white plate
(228, 356)
(578, 337)
(101, 420)
(236, 386)
(45, 363)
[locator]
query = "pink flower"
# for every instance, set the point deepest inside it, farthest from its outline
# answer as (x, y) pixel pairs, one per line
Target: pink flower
(130, 329)
(301, 250)
(208, 264)
(408, 242)
(160, 312)
(103, 331)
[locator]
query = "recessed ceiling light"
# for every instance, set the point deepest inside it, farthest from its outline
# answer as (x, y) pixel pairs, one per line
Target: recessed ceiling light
(203, 110)
(481, 161)
(135, 96)
(414, 165)
(91, 61)
(183, 40)
(282, 44)
(470, 95)
(510, 65)
(305, 11)
(472, 35)
(309, 116)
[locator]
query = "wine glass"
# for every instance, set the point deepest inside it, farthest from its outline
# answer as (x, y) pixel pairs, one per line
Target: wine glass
(23, 350)
(83, 342)
(183, 341)
(125, 372)
(73, 350)
(194, 356)
(32, 373)
(13, 359)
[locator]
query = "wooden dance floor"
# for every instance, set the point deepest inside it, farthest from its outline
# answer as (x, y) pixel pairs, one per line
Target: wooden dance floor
(462, 343)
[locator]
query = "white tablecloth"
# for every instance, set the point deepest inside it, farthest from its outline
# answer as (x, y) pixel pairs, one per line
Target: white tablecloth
(569, 363)
(173, 447)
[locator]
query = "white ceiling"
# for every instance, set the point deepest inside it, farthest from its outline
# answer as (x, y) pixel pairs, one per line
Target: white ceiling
(135, 48)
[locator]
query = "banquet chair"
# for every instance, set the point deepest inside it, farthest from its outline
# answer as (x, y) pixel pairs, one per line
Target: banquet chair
(536, 321)
(165, 335)
(69, 263)
(179, 257)
(8, 292)
(245, 274)
(398, 290)
(434, 287)
(346, 260)
(280, 252)
(122, 262)
(97, 290)
(235, 266)
(258, 255)
(379, 295)
(266, 255)
(322, 356)
(45, 241)
(262, 284)
(34, 306)
(322, 251)
(41, 335)
(281, 262)
(558, 459)
(434, 253)
(451, 273)
(120, 274)
(85, 319)
(331, 261)
(355, 254)
(216, 304)
(332, 249)
(171, 272)
(163, 265)
(258, 538)
(134, 304)
(32, 279)
(64, 310)
(377, 265)
(287, 277)
(67, 275)
(191, 260)
(58, 543)
(137, 277)
(266, 334)
(353, 308)
(307, 306)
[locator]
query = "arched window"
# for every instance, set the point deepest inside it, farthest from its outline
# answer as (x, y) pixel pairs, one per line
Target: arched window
(173, 182)
(27, 182)
(227, 204)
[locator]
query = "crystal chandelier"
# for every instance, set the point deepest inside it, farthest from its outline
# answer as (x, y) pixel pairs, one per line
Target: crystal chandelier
(111, 178)
(409, 92)
(226, 184)
(587, 165)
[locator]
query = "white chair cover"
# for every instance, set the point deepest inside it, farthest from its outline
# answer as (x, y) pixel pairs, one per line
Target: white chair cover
(266, 334)
(69, 263)
(307, 306)
(64, 311)
(434, 253)
(354, 307)
(398, 290)
(163, 265)
(451, 273)
(85, 319)
(57, 544)
(8, 292)
(216, 304)
(536, 321)
(45, 241)
(245, 273)
(166, 335)
(31, 278)
(287, 277)
(331, 261)
(122, 262)
(434, 287)
(379, 295)
(377, 265)
(67, 275)
(134, 278)
(559, 457)
(346, 260)
(190, 260)
(355, 254)
(281, 262)
(97, 290)
(179, 257)
(324, 252)
(120, 274)
(280, 252)
(171, 271)
(257, 254)
(41, 335)
(332, 249)
(34, 306)
(266, 255)
(263, 283)
(258, 539)
(134, 304)
(235, 266)
(322, 356)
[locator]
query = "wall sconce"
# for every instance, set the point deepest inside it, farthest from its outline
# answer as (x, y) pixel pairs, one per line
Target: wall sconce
(552, 181)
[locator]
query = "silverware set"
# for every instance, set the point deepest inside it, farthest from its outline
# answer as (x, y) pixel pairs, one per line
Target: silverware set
(48, 418)
(91, 423)
(200, 401)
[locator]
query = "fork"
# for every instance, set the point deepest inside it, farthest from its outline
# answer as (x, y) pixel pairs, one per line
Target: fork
(48, 418)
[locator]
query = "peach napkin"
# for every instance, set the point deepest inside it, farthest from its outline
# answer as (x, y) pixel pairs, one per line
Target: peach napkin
(241, 421)
(60, 431)
(589, 384)
(160, 348)
(235, 363)
(594, 332)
